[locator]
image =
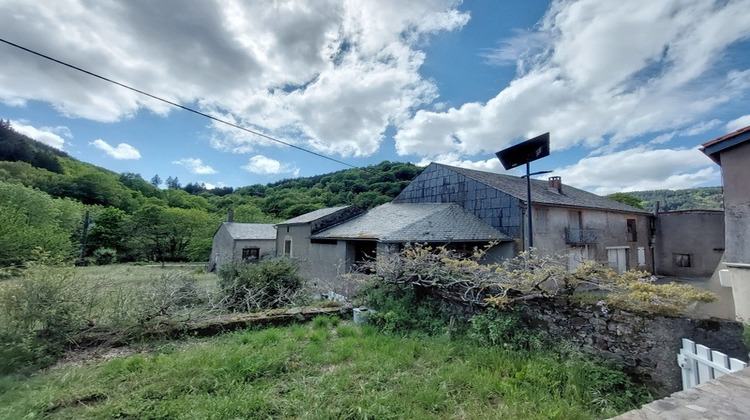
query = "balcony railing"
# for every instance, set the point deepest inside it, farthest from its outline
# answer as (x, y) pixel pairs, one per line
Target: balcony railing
(581, 236)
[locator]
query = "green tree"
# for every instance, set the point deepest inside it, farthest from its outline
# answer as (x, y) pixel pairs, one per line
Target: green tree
(32, 221)
(164, 233)
(626, 199)
(109, 230)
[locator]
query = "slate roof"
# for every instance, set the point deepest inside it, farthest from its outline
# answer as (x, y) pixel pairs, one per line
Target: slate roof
(312, 216)
(713, 148)
(541, 194)
(251, 230)
(415, 222)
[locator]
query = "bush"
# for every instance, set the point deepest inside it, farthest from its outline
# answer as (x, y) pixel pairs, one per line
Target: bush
(38, 317)
(506, 328)
(403, 309)
(48, 310)
(105, 256)
(271, 283)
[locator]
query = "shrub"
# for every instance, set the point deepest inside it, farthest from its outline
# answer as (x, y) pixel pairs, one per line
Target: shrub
(403, 309)
(105, 256)
(507, 329)
(271, 283)
(38, 317)
(48, 309)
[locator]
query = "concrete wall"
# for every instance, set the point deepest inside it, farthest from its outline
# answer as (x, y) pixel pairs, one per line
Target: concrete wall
(610, 229)
(300, 237)
(221, 249)
(734, 166)
(320, 263)
(698, 233)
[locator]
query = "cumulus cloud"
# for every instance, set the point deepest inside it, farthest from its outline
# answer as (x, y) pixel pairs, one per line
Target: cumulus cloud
(640, 169)
(121, 152)
(331, 75)
(195, 166)
(738, 123)
(609, 72)
(263, 165)
(51, 136)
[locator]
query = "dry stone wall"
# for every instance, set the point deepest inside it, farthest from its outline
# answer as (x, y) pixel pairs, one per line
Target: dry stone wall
(646, 345)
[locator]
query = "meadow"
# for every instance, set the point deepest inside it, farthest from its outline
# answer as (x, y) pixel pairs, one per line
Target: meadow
(327, 368)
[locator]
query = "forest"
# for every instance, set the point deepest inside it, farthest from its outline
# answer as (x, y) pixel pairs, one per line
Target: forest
(44, 195)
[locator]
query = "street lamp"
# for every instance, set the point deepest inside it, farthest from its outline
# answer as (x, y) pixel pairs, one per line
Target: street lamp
(528, 200)
(524, 153)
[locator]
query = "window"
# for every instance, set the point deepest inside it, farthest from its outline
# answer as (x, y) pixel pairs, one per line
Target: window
(632, 231)
(683, 260)
(250, 253)
(540, 219)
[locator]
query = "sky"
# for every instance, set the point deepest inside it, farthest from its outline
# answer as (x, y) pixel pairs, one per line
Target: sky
(628, 90)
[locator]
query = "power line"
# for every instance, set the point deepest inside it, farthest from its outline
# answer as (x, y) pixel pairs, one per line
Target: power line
(194, 111)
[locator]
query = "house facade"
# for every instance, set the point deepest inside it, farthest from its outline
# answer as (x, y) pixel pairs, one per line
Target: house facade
(732, 153)
(566, 220)
(688, 243)
(317, 258)
(248, 242)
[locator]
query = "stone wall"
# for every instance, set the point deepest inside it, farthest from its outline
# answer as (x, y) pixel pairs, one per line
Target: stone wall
(646, 345)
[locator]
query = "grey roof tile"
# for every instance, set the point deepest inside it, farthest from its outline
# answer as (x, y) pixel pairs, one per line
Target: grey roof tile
(251, 230)
(415, 222)
(541, 194)
(312, 216)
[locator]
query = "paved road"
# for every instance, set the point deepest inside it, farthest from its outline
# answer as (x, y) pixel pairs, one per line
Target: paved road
(725, 398)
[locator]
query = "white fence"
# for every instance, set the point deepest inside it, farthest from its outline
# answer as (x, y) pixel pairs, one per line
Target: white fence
(701, 364)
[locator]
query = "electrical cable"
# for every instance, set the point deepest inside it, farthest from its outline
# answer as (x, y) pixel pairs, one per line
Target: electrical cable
(219, 120)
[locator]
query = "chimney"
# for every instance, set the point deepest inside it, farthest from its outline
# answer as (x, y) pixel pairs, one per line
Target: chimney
(230, 216)
(555, 184)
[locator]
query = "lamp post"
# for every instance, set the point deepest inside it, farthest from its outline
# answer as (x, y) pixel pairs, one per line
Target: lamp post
(524, 153)
(528, 201)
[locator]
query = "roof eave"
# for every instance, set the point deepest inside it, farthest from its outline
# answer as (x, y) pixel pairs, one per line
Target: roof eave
(713, 148)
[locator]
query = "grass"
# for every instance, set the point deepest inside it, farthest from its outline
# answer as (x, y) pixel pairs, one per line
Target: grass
(325, 369)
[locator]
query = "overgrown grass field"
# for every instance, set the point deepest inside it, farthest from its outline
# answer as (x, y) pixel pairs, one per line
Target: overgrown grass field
(322, 370)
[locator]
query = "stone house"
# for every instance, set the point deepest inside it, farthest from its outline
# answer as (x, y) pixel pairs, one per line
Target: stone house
(334, 241)
(242, 241)
(566, 220)
(732, 153)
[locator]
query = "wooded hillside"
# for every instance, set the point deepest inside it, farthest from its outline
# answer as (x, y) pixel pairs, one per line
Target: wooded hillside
(133, 219)
(707, 198)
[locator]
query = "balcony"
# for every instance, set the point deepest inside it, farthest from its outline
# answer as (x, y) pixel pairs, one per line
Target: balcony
(581, 236)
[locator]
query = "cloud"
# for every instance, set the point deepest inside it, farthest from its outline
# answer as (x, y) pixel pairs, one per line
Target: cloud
(738, 123)
(640, 169)
(700, 128)
(122, 151)
(51, 136)
(195, 166)
(331, 75)
(610, 72)
(260, 164)
(514, 50)
(453, 159)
